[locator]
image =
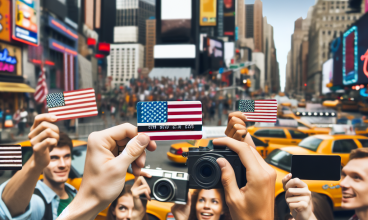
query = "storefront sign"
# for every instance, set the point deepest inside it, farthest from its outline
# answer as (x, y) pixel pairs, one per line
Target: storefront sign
(58, 46)
(10, 59)
(26, 21)
(60, 27)
(5, 20)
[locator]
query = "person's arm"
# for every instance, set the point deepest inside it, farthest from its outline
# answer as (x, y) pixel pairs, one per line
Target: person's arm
(140, 187)
(105, 170)
(256, 199)
(182, 212)
(298, 197)
(18, 192)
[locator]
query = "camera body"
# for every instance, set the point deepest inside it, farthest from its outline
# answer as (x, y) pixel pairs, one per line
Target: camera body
(168, 186)
(205, 173)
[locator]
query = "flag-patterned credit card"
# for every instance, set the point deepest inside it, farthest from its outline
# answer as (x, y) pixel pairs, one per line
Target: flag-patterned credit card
(72, 104)
(10, 157)
(259, 110)
(171, 120)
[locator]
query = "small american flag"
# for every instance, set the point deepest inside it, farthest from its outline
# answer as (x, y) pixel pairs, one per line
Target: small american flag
(259, 110)
(10, 157)
(73, 104)
(41, 89)
(172, 120)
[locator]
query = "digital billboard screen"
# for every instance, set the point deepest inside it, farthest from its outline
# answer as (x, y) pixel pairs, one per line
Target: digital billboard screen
(350, 56)
(207, 12)
(327, 70)
(26, 21)
(215, 53)
(176, 19)
(229, 17)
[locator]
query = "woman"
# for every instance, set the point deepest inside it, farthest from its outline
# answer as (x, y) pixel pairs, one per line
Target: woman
(203, 205)
(128, 205)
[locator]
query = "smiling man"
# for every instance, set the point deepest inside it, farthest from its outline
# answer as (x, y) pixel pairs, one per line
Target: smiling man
(27, 198)
(354, 184)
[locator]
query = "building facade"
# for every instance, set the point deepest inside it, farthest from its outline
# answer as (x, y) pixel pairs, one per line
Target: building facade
(240, 18)
(329, 20)
(150, 43)
(131, 16)
(249, 20)
(258, 26)
(123, 63)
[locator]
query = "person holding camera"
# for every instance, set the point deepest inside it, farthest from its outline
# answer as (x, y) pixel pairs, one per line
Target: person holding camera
(128, 204)
(203, 205)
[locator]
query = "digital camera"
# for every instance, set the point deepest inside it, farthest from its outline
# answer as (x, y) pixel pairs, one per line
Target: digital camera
(205, 173)
(167, 186)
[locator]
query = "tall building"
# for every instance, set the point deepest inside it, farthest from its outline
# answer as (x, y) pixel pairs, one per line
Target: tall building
(329, 20)
(249, 18)
(131, 16)
(288, 81)
(258, 26)
(150, 42)
(123, 62)
(240, 18)
(268, 51)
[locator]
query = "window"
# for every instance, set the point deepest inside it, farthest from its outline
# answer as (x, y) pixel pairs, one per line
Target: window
(343, 146)
(280, 159)
(337, 18)
(332, 7)
(364, 142)
(329, 32)
(310, 143)
(343, 7)
(348, 17)
(297, 134)
(343, 18)
(260, 143)
(276, 133)
(331, 18)
(323, 32)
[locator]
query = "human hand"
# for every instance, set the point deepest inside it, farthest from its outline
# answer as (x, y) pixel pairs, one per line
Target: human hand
(140, 187)
(182, 212)
(299, 198)
(43, 136)
(256, 199)
(104, 172)
(236, 128)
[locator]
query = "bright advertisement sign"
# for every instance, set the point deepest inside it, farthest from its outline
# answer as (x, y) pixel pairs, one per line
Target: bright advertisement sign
(207, 12)
(327, 71)
(5, 20)
(26, 21)
(229, 17)
(350, 56)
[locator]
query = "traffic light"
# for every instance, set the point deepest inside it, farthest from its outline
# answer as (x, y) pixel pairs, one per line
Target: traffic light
(244, 71)
(249, 83)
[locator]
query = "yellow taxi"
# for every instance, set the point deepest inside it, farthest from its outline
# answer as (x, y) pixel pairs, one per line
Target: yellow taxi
(308, 128)
(155, 209)
(277, 135)
(176, 150)
(280, 160)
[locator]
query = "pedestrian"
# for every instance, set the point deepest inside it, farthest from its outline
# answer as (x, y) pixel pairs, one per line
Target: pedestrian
(22, 121)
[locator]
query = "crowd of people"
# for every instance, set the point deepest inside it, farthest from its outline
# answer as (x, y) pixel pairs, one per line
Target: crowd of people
(24, 196)
(122, 101)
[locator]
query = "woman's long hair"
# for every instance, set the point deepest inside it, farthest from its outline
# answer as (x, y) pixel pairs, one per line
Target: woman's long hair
(193, 210)
(126, 190)
(321, 208)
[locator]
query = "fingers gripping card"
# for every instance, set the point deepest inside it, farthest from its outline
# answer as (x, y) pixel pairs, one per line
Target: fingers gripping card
(10, 157)
(259, 110)
(72, 104)
(172, 120)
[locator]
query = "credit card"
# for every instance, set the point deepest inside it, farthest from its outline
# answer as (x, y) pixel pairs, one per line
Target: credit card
(259, 110)
(316, 167)
(72, 104)
(10, 157)
(171, 120)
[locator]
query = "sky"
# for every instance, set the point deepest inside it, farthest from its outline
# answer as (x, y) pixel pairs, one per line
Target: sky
(281, 14)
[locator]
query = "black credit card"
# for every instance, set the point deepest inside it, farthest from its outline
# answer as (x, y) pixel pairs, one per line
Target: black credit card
(316, 167)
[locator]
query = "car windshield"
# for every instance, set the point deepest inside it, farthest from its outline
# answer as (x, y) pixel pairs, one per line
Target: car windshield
(280, 159)
(191, 142)
(310, 143)
(79, 158)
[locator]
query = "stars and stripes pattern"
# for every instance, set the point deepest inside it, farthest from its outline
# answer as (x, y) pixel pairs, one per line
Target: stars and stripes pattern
(73, 104)
(171, 120)
(10, 157)
(41, 89)
(259, 110)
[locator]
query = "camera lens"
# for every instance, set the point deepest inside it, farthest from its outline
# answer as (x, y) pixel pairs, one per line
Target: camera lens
(164, 190)
(206, 172)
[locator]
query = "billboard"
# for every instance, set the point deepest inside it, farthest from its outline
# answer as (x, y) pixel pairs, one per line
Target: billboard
(176, 19)
(229, 17)
(10, 59)
(215, 53)
(327, 71)
(26, 21)
(207, 12)
(5, 21)
(350, 56)
(337, 62)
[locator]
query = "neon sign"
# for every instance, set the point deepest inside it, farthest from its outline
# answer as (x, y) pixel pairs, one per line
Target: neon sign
(350, 56)
(365, 58)
(7, 63)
